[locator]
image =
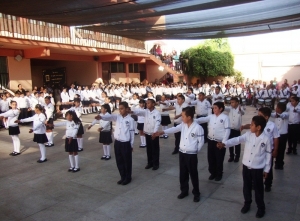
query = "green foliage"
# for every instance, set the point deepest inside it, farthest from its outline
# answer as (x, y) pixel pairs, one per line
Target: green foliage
(238, 76)
(211, 59)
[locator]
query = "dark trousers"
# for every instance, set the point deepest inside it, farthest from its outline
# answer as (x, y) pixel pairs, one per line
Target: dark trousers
(23, 113)
(269, 179)
(177, 139)
(215, 158)
(188, 166)
(236, 150)
(281, 150)
(293, 133)
(152, 150)
(253, 177)
(123, 154)
(204, 126)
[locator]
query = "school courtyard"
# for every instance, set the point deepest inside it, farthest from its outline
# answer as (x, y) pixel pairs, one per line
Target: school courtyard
(30, 191)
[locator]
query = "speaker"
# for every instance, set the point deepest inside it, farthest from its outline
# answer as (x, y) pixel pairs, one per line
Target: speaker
(18, 58)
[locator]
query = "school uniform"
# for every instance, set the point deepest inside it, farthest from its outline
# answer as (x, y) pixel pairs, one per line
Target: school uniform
(71, 132)
(235, 118)
(293, 127)
(72, 93)
(271, 131)
(191, 142)
(4, 106)
(151, 125)
(281, 122)
(256, 160)
(105, 133)
(49, 109)
(217, 97)
(124, 138)
(203, 109)
(218, 131)
(65, 99)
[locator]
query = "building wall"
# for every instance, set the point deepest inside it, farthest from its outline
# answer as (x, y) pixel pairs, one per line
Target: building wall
(153, 73)
(134, 77)
(118, 78)
(19, 73)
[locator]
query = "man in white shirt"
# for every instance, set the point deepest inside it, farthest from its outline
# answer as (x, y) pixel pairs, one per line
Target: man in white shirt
(72, 93)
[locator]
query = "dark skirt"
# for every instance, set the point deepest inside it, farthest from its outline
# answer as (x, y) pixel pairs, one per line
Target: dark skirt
(14, 130)
(50, 121)
(40, 138)
(72, 147)
(140, 126)
(165, 120)
(86, 103)
(80, 130)
(105, 137)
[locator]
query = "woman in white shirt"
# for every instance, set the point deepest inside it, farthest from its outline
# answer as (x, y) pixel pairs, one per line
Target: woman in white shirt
(64, 99)
(49, 109)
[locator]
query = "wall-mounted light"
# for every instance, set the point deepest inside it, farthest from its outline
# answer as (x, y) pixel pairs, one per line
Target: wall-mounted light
(161, 68)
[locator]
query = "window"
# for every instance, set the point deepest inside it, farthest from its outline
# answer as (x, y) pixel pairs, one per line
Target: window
(3, 73)
(134, 68)
(117, 67)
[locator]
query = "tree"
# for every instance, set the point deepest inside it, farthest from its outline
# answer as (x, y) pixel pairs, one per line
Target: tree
(238, 77)
(211, 59)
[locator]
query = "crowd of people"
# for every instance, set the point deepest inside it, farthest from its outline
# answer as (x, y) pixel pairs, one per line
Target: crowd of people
(144, 110)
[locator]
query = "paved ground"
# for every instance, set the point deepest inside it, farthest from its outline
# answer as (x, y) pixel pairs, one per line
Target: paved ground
(31, 191)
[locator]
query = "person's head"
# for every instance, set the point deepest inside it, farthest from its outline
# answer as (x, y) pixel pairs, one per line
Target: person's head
(265, 112)
(22, 95)
(3, 97)
(294, 101)
(103, 94)
(72, 116)
(234, 102)
(36, 94)
(107, 100)
(201, 96)
(13, 104)
(149, 94)
(123, 108)
(20, 86)
(180, 99)
(142, 103)
(150, 104)
(258, 124)
(163, 98)
(77, 102)
(135, 96)
(17, 94)
(64, 90)
(27, 93)
(105, 108)
(217, 90)
(218, 108)
(47, 100)
(38, 109)
(188, 114)
(79, 88)
(281, 107)
(190, 90)
(72, 86)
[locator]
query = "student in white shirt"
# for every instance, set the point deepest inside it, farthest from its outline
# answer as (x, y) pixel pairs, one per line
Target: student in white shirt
(256, 162)
(49, 109)
(124, 138)
(218, 131)
(65, 99)
(190, 144)
(165, 117)
(39, 130)
(151, 125)
(134, 102)
(72, 93)
(293, 109)
(13, 128)
(4, 104)
(72, 124)
(235, 117)
(217, 96)
(281, 122)
(105, 128)
(140, 123)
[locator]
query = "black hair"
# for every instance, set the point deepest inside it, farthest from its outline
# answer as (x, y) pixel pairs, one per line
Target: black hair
(19, 85)
(260, 121)
(104, 93)
(235, 99)
(152, 101)
(35, 93)
(74, 116)
(142, 101)
(107, 107)
(218, 87)
(202, 93)
(77, 100)
(48, 97)
(189, 111)
(281, 106)
(41, 108)
(191, 89)
(295, 98)
(265, 111)
(124, 104)
(181, 96)
(18, 92)
(220, 105)
(13, 102)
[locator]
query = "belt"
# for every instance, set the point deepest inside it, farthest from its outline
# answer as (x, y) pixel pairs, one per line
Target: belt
(188, 152)
(214, 139)
(201, 115)
(121, 141)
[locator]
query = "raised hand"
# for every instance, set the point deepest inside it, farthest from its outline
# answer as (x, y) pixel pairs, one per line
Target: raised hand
(30, 131)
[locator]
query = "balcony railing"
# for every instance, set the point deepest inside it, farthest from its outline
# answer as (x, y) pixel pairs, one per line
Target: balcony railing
(17, 27)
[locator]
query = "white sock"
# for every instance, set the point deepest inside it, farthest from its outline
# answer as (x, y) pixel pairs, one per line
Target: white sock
(50, 137)
(6, 124)
(43, 151)
(80, 142)
(90, 110)
(71, 159)
(76, 161)
(108, 150)
(135, 127)
(64, 115)
(143, 140)
(98, 108)
(16, 143)
(104, 150)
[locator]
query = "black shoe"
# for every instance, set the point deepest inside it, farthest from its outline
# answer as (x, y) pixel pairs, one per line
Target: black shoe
(42, 161)
(211, 177)
(12, 153)
(260, 213)
(79, 150)
(108, 158)
(148, 167)
(175, 152)
(166, 137)
(103, 158)
(50, 145)
(289, 151)
(295, 152)
(125, 182)
(276, 167)
(218, 178)
(142, 146)
(182, 195)
(245, 209)
(76, 170)
(230, 159)
(196, 199)
(120, 182)
(236, 160)
(136, 133)
(16, 154)
(267, 189)
(71, 169)
(155, 168)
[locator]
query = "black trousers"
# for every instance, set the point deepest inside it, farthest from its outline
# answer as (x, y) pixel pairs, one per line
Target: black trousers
(253, 177)
(177, 139)
(269, 179)
(215, 158)
(152, 150)
(123, 154)
(188, 166)
(236, 150)
(281, 150)
(204, 126)
(293, 133)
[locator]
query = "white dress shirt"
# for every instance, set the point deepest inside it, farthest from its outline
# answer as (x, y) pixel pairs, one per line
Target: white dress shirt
(235, 116)
(49, 109)
(11, 115)
(294, 117)
(281, 122)
(271, 131)
(218, 126)
(72, 93)
(64, 97)
(4, 105)
(105, 125)
(191, 139)
(203, 108)
(152, 119)
(215, 97)
(71, 128)
(39, 121)
(22, 102)
(257, 151)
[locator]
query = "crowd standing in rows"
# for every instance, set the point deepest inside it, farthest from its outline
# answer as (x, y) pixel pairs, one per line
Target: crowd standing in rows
(145, 110)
